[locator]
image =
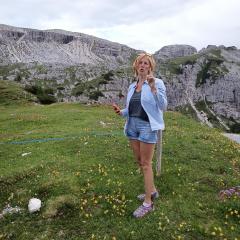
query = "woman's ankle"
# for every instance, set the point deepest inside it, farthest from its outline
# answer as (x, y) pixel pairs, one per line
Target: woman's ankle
(148, 199)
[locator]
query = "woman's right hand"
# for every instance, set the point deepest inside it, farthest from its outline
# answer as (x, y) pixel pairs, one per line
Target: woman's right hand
(116, 109)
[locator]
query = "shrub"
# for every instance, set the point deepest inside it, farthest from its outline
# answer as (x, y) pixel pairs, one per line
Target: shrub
(95, 95)
(44, 95)
(210, 69)
(46, 98)
(108, 76)
(18, 78)
(60, 88)
(235, 128)
(34, 89)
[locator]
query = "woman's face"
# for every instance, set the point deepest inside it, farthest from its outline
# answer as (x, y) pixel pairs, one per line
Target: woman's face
(143, 67)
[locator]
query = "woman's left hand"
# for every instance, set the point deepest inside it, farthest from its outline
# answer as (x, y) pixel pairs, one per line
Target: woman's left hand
(151, 83)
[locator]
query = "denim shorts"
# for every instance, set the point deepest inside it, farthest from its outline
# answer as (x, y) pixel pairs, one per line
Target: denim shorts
(138, 129)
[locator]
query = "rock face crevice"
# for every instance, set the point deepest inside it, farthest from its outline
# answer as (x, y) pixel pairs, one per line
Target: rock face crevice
(80, 67)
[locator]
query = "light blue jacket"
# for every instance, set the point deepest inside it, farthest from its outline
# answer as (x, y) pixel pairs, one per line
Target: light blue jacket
(153, 104)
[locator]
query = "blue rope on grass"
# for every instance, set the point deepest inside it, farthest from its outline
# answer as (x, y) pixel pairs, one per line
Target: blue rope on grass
(63, 138)
(36, 140)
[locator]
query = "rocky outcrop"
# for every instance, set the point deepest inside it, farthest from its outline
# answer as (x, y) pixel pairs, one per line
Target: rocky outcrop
(21, 45)
(210, 80)
(173, 51)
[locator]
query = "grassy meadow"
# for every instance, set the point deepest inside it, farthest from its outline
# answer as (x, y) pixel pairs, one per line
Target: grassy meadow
(76, 159)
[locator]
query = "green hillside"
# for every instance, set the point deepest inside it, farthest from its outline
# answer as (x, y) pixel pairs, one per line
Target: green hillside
(77, 161)
(12, 93)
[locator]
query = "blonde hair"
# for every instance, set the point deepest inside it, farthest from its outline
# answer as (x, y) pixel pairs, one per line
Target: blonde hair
(140, 57)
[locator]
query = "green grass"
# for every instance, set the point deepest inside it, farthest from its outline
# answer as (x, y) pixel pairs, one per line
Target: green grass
(88, 181)
(12, 93)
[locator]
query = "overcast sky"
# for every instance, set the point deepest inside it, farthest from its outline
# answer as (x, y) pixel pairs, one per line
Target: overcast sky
(144, 24)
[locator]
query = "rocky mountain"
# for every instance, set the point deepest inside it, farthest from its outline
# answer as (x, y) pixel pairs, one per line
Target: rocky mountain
(70, 65)
(22, 45)
(174, 51)
(58, 65)
(206, 83)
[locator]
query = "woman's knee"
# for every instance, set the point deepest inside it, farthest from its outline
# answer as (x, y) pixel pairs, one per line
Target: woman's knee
(146, 166)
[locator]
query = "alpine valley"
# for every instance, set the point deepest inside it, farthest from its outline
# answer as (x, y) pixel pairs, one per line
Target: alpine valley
(62, 66)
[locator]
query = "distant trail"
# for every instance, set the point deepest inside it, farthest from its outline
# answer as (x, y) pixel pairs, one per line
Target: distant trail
(41, 140)
(234, 137)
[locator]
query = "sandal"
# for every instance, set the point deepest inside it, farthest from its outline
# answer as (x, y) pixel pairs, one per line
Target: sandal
(154, 196)
(142, 211)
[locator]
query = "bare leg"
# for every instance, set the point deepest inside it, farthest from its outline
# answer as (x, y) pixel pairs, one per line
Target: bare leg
(146, 153)
(135, 145)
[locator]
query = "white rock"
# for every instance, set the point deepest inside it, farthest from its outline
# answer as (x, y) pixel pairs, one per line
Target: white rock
(102, 123)
(25, 154)
(34, 205)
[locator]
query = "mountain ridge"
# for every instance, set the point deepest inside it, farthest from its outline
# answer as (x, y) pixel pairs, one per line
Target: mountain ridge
(80, 67)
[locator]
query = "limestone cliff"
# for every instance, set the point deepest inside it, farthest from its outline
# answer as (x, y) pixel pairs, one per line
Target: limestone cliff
(207, 83)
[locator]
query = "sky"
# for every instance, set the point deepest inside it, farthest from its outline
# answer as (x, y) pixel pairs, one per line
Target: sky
(145, 25)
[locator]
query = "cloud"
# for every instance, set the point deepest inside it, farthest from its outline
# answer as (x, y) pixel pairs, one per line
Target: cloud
(88, 14)
(143, 24)
(209, 23)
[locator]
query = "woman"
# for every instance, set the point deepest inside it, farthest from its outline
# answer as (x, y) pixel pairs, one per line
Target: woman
(146, 101)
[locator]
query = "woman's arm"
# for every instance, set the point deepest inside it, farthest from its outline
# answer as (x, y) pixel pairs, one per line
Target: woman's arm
(123, 112)
(160, 95)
